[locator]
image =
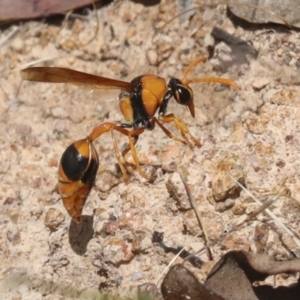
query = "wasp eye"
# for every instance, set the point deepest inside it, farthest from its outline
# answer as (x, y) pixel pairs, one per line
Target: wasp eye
(182, 94)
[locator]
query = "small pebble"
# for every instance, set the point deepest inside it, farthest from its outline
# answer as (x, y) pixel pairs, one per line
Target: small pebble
(111, 227)
(107, 182)
(260, 83)
(137, 276)
(131, 32)
(54, 218)
(116, 250)
(255, 123)
(171, 157)
(18, 44)
(13, 235)
(239, 210)
(61, 127)
(59, 112)
(23, 130)
(152, 57)
(52, 162)
(225, 205)
(177, 191)
(142, 240)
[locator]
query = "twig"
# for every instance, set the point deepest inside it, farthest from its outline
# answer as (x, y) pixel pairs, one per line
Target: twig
(264, 207)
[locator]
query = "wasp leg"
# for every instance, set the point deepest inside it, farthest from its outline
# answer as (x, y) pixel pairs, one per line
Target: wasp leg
(181, 127)
(133, 137)
(119, 157)
(167, 132)
(109, 126)
(127, 146)
(76, 176)
(126, 149)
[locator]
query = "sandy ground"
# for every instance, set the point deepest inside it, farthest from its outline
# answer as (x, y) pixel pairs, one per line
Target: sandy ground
(252, 134)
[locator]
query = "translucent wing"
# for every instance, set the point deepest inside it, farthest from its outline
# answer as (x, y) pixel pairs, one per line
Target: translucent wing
(64, 75)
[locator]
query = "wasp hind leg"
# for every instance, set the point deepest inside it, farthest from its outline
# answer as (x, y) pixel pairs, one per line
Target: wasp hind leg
(133, 136)
(126, 148)
(132, 139)
(120, 159)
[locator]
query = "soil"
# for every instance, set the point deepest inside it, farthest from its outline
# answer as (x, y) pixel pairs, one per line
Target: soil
(251, 133)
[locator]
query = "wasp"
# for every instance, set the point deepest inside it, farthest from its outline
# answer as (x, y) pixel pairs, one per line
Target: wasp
(139, 101)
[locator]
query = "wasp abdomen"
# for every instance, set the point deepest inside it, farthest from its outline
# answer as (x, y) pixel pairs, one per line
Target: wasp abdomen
(77, 173)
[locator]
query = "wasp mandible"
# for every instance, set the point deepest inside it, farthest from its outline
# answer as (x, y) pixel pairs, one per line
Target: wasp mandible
(139, 101)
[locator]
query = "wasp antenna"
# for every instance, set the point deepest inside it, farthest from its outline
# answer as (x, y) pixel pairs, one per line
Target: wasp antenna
(214, 80)
(195, 62)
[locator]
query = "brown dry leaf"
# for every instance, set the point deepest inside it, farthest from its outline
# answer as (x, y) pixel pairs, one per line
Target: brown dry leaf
(274, 11)
(233, 275)
(20, 9)
(181, 284)
(232, 278)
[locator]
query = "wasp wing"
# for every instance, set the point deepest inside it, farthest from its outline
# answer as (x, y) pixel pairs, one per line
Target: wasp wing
(65, 75)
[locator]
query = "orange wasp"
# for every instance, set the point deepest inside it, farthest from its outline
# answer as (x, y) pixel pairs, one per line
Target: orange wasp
(139, 100)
